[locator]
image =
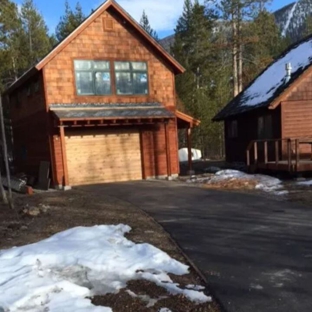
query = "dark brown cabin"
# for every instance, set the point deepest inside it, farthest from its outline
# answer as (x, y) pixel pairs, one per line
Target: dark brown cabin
(100, 107)
(269, 124)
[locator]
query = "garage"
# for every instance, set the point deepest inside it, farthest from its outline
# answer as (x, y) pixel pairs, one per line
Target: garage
(103, 156)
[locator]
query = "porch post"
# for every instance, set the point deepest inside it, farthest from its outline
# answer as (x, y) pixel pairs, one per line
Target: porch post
(189, 148)
(64, 159)
(168, 151)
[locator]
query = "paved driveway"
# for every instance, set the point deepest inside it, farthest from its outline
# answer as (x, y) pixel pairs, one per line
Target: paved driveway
(256, 253)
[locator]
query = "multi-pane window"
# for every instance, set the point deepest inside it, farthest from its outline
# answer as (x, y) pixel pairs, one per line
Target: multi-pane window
(92, 77)
(131, 78)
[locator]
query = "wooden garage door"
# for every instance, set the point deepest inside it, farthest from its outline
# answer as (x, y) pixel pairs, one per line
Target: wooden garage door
(103, 157)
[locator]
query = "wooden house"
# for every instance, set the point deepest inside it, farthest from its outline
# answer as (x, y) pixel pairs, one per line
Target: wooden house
(269, 124)
(100, 107)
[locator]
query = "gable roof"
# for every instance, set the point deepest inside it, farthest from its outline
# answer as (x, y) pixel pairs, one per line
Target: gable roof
(177, 67)
(271, 85)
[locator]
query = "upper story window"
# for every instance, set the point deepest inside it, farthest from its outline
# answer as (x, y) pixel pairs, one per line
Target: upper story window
(92, 77)
(131, 78)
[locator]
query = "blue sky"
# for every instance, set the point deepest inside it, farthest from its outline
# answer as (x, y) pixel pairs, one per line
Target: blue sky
(162, 14)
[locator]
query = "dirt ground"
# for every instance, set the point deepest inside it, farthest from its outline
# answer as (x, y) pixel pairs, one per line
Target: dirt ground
(51, 212)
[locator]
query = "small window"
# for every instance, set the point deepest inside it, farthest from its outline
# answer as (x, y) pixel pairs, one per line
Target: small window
(232, 129)
(265, 127)
(131, 78)
(92, 77)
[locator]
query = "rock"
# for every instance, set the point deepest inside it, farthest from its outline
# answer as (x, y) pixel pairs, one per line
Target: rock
(23, 228)
(32, 211)
(44, 208)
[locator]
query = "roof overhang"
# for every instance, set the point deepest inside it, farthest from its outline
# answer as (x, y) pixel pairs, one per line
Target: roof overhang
(110, 114)
(186, 121)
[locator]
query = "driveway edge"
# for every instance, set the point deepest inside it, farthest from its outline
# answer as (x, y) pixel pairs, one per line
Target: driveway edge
(190, 262)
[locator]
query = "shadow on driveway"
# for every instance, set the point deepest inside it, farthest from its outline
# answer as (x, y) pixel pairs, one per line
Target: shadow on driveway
(256, 253)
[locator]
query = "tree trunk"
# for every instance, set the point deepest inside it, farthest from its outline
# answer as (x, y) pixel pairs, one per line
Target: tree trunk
(235, 52)
(240, 58)
(5, 155)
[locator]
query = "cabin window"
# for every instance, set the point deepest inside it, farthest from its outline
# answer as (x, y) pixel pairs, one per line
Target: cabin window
(265, 127)
(232, 129)
(92, 77)
(131, 78)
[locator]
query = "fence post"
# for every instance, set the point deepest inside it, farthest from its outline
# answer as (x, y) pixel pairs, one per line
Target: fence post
(297, 154)
(256, 152)
(276, 152)
(289, 155)
(266, 158)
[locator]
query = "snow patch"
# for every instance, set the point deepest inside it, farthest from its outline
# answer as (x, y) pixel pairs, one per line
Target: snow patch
(263, 182)
(305, 183)
(59, 273)
(290, 16)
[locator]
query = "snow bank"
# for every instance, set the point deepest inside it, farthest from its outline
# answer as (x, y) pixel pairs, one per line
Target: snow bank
(57, 274)
(305, 183)
(263, 182)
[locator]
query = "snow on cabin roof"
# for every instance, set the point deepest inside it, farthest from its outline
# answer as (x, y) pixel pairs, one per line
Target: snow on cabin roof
(272, 82)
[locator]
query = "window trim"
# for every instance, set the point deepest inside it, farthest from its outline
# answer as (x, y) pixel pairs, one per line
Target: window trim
(93, 71)
(131, 71)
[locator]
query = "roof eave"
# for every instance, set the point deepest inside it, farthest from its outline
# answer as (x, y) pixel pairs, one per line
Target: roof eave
(28, 74)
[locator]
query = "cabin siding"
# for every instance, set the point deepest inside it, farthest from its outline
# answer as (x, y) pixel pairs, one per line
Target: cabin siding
(28, 116)
(296, 117)
(154, 151)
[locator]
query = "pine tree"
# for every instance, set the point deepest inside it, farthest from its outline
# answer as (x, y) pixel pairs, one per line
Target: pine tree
(70, 21)
(10, 26)
(34, 37)
(195, 50)
(308, 26)
(266, 44)
(236, 13)
(144, 22)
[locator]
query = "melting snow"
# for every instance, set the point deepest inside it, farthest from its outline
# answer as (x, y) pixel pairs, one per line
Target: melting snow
(265, 86)
(264, 182)
(305, 183)
(59, 273)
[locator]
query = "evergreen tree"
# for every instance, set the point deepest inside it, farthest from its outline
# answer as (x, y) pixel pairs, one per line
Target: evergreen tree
(264, 45)
(70, 21)
(144, 22)
(34, 36)
(308, 26)
(194, 48)
(236, 13)
(10, 26)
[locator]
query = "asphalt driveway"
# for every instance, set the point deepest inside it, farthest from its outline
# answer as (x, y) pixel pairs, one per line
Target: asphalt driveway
(255, 252)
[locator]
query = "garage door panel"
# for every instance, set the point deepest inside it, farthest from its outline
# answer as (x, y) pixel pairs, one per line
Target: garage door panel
(97, 158)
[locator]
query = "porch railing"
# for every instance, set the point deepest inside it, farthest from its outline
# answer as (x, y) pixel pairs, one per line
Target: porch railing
(284, 150)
